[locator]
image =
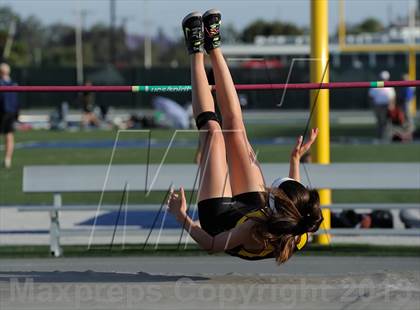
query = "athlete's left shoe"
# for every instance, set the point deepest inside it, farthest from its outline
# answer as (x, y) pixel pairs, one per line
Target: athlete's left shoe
(192, 26)
(211, 21)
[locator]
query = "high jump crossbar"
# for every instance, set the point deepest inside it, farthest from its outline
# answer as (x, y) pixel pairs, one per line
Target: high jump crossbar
(187, 88)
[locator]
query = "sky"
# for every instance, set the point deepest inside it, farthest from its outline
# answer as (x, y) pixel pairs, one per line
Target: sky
(142, 16)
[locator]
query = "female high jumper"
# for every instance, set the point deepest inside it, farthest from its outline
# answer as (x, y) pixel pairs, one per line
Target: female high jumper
(238, 214)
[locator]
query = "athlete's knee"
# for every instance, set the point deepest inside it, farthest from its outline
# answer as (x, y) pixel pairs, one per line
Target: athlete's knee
(208, 121)
(213, 129)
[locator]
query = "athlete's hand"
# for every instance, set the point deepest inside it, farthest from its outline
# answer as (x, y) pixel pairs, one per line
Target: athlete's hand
(301, 148)
(177, 204)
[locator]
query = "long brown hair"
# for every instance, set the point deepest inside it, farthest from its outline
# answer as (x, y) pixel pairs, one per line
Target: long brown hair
(296, 211)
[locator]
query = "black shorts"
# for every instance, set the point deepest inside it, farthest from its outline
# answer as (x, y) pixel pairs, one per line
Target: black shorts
(7, 122)
(221, 214)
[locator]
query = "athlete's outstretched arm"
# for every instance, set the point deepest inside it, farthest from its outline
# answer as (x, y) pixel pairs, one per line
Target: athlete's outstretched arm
(221, 242)
(224, 241)
(298, 151)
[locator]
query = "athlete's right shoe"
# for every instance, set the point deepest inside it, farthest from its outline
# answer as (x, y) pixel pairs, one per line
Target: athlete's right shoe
(211, 21)
(192, 26)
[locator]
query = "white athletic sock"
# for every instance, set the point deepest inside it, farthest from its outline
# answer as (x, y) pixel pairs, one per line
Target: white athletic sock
(7, 163)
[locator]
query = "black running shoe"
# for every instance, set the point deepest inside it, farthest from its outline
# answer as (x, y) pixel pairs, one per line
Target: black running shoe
(192, 26)
(212, 20)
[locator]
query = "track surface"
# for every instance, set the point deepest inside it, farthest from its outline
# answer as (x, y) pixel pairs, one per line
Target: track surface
(210, 283)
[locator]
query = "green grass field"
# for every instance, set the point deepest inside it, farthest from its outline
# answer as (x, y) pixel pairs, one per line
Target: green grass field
(253, 130)
(11, 179)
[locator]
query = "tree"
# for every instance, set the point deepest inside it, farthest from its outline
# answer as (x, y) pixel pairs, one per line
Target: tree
(369, 25)
(98, 41)
(261, 27)
(6, 17)
(30, 32)
(59, 47)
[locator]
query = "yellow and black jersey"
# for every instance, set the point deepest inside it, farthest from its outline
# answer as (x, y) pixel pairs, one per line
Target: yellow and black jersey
(222, 214)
